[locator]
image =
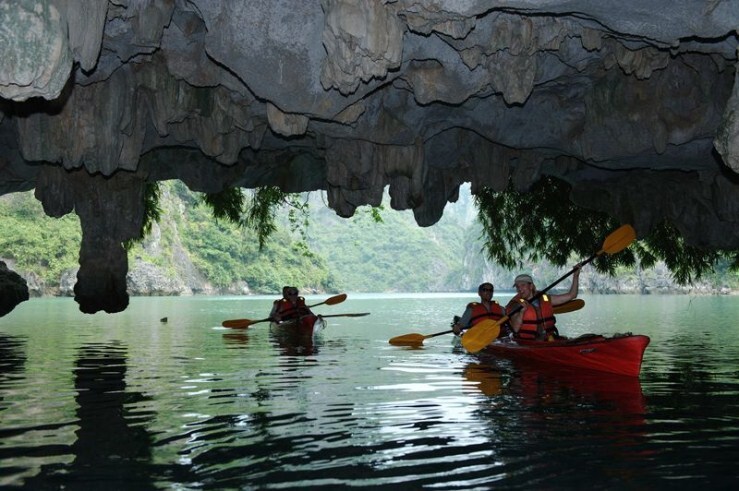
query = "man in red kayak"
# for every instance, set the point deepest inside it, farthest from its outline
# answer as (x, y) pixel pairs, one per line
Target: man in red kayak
(535, 318)
(290, 306)
(486, 308)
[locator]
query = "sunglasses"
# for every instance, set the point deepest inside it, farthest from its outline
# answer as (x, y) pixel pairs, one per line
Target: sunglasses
(486, 289)
(294, 292)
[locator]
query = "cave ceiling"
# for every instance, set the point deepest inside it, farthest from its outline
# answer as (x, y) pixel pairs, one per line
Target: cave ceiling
(634, 103)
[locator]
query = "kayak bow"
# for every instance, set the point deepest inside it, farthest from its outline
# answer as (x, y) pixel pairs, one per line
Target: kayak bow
(620, 354)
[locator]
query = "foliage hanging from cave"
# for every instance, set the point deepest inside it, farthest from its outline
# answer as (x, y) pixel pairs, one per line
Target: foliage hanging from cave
(152, 213)
(226, 205)
(542, 224)
(259, 212)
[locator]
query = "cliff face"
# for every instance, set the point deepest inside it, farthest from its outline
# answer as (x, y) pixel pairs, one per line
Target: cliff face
(635, 103)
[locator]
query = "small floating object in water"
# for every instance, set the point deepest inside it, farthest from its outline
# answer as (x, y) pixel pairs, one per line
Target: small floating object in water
(163, 319)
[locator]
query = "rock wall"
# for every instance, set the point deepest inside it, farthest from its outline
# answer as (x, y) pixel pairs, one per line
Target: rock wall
(13, 289)
(635, 103)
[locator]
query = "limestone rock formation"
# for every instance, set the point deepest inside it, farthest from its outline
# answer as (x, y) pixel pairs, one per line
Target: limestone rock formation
(635, 103)
(13, 289)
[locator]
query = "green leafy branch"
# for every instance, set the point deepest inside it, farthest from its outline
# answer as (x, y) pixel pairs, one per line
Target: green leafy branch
(543, 224)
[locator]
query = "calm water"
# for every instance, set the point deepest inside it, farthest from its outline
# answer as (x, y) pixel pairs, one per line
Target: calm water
(128, 402)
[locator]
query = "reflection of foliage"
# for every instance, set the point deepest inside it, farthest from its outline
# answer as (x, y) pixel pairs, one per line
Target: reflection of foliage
(544, 224)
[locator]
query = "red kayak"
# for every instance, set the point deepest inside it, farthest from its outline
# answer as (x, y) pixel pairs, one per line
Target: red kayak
(307, 325)
(620, 354)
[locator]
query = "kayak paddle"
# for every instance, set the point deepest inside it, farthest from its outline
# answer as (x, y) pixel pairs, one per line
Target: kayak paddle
(415, 339)
(331, 300)
(479, 335)
(244, 323)
(570, 306)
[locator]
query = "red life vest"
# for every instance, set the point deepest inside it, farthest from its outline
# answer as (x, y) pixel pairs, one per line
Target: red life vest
(480, 313)
(287, 310)
(534, 317)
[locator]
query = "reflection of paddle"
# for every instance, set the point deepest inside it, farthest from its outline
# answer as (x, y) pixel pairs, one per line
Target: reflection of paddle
(346, 315)
(488, 381)
(244, 323)
(570, 306)
(415, 339)
(480, 335)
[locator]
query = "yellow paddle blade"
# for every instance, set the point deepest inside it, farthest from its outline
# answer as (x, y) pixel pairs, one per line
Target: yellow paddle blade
(336, 299)
(618, 240)
(570, 306)
(481, 335)
(414, 339)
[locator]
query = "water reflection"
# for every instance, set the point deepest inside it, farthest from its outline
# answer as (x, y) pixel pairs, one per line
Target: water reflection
(12, 363)
(236, 339)
(550, 420)
(113, 447)
(291, 343)
(484, 378)
(254, 411)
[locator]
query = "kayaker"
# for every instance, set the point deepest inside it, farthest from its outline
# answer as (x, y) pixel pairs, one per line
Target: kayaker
(536, 319)
(486, 308)
(290, 306)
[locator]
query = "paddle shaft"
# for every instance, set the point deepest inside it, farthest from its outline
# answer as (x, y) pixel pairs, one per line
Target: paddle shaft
(438, 334)
(616, 241)
(346, 315)
(541, 293)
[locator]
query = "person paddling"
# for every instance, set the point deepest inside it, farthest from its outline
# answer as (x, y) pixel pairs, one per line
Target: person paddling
(536, 319)
(290, 306)
(476, 312)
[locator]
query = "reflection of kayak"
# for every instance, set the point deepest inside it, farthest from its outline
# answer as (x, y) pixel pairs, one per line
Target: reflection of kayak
(309, 325)
(620, 354)
(559, 385)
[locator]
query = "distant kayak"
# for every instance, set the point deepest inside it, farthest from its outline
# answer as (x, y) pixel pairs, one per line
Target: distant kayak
(309, 325)
(620, 354)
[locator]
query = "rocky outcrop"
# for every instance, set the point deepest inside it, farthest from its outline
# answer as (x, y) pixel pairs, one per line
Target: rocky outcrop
(13, 289)
(634, 103)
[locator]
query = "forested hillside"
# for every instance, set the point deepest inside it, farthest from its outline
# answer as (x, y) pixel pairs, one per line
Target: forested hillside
(188, 251)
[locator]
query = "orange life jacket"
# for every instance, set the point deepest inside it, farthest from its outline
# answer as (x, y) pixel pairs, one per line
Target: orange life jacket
(536, 318)
(287, 310)
(480, 313)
